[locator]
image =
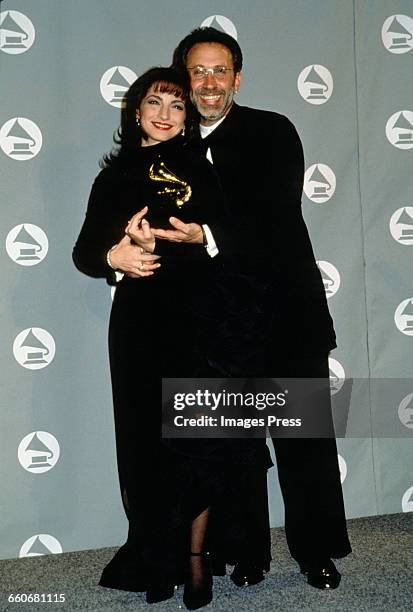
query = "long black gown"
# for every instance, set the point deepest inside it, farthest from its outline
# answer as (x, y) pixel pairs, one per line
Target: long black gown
(156, 330)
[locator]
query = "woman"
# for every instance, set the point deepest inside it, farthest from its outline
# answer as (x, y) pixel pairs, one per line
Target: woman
(169, 490)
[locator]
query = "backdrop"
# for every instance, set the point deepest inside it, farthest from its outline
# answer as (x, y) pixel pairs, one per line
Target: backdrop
(341, 70)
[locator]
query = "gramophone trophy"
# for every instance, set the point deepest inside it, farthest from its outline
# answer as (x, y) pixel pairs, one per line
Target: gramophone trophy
(168, 195)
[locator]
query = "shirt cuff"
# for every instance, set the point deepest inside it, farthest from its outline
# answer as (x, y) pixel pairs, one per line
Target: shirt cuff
(210, 246)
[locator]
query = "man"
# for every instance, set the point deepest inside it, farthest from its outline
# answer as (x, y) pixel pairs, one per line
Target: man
(259, 160)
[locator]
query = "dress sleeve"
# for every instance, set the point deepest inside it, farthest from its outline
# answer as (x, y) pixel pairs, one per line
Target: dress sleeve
(99, 230)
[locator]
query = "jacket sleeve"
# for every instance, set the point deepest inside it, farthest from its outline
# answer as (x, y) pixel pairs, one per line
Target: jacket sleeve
(266, 214)
(100, 230)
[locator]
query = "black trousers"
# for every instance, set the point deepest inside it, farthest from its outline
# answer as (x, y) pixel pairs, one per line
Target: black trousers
(309, 478)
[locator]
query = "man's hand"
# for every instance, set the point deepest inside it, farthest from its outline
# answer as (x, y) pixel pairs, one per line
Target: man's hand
(190, 233)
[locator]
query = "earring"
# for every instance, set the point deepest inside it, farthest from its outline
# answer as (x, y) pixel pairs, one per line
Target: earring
(183, 131)
(137, 120)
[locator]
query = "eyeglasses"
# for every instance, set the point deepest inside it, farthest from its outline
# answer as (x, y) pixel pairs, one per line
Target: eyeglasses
(199, 73)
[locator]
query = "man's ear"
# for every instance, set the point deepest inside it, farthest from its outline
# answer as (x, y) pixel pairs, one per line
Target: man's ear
(237, 81)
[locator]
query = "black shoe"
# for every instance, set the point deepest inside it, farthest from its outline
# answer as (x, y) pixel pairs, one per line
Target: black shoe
(321, 574)
(247, 574)
(159, 593)
(198, 588)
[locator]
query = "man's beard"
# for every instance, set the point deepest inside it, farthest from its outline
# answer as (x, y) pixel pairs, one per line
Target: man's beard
(215, 113)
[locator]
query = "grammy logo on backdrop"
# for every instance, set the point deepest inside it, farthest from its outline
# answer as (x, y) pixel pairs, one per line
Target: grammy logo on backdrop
(399, 129)
(15, 36)
(401, 225)
(27, 244)
(403, 316)
(40, 453)
(17, 32)
(397, 34)
(315, 84)
(36, 351)
(34, 348)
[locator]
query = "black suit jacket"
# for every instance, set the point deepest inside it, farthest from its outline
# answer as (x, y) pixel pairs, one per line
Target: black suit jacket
(259, 159)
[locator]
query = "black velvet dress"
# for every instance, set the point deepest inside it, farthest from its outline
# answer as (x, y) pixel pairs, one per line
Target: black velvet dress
(157, 329)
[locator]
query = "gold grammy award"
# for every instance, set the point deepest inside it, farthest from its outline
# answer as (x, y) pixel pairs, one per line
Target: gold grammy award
(174, 187)
(167, 195)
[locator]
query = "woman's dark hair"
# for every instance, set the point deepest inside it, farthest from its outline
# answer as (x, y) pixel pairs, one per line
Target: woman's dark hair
(128, 136)
(207, 35)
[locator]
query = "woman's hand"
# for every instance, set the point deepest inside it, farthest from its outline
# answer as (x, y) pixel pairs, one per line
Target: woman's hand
(132, 260)
(139, 230)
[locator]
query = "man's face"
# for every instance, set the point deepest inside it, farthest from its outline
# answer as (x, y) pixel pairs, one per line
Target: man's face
(213, 94)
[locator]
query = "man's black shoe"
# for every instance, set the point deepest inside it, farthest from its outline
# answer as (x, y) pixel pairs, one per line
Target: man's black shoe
(246, 574)
(321, 574)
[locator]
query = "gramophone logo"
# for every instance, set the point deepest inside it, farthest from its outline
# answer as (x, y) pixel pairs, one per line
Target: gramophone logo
(315, 84)
(407, 500)
(399, 129)
(330, 276)
(337, 375)
(219, 22)
(27, 244)
(39, 545)
(20, 138)
(405, 411)
(38, 452)
(401, 225)
(114, 83)
(319, 183)
(397, 33)
(16, 32)
(403, 317)
(34, 348)
(342, 466)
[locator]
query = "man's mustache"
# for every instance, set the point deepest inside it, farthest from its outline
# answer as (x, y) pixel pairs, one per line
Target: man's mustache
(209, 92)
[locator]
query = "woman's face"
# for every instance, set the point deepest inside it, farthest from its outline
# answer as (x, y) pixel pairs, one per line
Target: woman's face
(162, 116)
